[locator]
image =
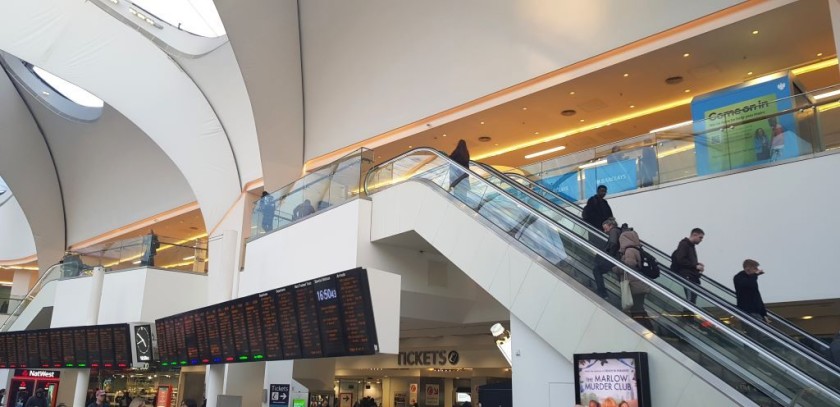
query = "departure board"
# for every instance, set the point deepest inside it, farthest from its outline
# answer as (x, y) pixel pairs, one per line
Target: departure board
(326, 317)
(84, 346)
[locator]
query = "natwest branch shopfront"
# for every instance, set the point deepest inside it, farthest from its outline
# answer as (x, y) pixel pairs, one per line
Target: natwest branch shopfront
(429, 372)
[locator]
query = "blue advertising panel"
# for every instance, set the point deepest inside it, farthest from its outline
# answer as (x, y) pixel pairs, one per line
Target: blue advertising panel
(617, 176)
(565, 185)
(723, 142)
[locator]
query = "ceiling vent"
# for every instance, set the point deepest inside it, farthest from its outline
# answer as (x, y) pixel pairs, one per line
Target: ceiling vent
(568, 112)
(674, 80)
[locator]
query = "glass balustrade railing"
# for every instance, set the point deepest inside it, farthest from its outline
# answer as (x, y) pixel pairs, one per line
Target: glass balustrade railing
(813, 362)
(321, 189)
(697, 149)
(713, 287)
(154, 251)
(53, 273)
(761, 372)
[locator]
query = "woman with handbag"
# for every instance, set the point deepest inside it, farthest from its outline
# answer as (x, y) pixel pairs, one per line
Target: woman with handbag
(633, 290)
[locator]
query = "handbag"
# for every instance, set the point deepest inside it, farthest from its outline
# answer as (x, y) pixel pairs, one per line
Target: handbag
(626, 294)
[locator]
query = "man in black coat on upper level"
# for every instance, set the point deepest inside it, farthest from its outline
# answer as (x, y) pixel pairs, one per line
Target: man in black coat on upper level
(597, 210)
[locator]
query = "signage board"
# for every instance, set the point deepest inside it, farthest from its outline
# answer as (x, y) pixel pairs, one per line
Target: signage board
(71, 347)
(326, 317)
(278, 395)
(612, 378)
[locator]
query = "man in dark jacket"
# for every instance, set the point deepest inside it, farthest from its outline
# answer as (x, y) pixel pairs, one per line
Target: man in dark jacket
(602, 266)
(597, 209)
(684, 260)
(746, 290)
(38, 400)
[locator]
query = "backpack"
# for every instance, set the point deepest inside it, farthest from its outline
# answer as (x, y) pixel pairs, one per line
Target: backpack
(649, 266)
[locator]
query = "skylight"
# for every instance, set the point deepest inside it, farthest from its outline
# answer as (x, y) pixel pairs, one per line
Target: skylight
(199, 17)
(68, 90)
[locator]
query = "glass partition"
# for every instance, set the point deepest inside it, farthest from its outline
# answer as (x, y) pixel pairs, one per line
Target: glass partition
(143, 251)
(767, 374)
(53, 273)
(323, 188)
(695, 149)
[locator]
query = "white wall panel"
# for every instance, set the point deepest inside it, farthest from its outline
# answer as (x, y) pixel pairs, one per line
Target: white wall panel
(778, 215)
(16, 240)
(370, 67)
(534, 357)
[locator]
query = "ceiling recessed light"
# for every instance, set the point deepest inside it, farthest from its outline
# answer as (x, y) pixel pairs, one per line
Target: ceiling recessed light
(444, 135)
(755, 32)
(808, 317)
(524, 108)
(686, 55)
(572, 93)
(544, 152)
(626, 75)
(687, 90)
(819, 54)
(632, 106)
(482, 122)
(581, 120)
(496, 144)
(536, 133)
(749, 73)
(410, 147)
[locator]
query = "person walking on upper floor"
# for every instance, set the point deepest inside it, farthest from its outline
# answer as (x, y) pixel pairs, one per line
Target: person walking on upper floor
(267, 207)
(597, 209)
(746, 290)
(602, 265)
(684, 261)
(631, 255)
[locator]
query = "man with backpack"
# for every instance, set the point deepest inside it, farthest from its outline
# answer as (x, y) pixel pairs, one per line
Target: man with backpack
(684, 261)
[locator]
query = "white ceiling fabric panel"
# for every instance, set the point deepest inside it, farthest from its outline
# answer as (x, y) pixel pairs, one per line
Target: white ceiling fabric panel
(27, 168)
(16, 240)
(84, 45)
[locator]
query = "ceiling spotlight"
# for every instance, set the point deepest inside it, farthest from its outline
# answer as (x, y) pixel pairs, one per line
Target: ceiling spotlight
(581, 120)
(502, 337)
(410, 146)
(524, 108)
(687, 90)
(749, 73)
(808, 317)
(632, 106)
(536, 133)
(482, 122)
(819, 54)
(755, 32)
(572, 93)
(626, 75)
(444, 135)
(686, 55)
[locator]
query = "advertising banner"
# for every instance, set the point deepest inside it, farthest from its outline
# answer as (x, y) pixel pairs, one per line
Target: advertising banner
(565, 185)
(617, 176)
(612, 379)
(732, 129)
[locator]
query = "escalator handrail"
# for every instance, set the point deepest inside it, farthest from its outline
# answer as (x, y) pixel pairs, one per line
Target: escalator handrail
(776, 318)
(721, 327)
(29, 296)
(699, 290)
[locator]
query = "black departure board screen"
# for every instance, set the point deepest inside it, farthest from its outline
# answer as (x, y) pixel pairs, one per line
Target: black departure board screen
(82, 346)
(326, 317)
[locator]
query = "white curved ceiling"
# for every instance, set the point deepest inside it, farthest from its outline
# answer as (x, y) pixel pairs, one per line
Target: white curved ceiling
(82, 44)
(16, 240)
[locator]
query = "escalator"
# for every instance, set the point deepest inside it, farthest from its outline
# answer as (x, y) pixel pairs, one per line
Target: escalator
(760, 365)
(788, 341)
(518, 185)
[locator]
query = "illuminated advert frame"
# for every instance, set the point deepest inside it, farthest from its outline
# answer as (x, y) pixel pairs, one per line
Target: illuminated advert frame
(620, 379)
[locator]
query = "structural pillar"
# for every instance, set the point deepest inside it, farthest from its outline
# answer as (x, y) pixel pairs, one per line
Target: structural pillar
(220, 285)
(91, 318)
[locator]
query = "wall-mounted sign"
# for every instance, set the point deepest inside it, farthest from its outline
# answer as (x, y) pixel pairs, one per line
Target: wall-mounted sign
(278, 395)
(164, 396)
(612, 378)
(39, 374)
(428, 358)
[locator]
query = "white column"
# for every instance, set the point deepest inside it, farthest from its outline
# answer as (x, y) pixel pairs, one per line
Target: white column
(220, 284)
(91, 318)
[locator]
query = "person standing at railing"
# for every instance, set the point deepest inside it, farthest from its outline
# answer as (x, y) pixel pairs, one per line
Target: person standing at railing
(684, 261)
(150, 246)
(267, 207)
(597, 209)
